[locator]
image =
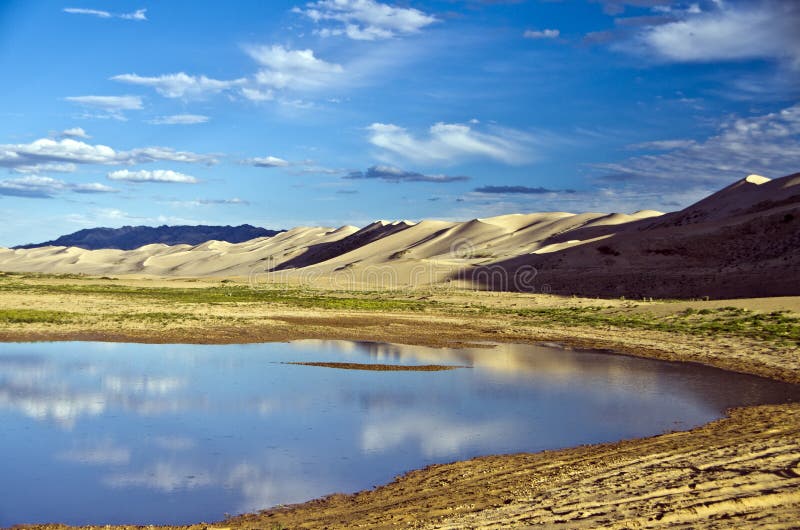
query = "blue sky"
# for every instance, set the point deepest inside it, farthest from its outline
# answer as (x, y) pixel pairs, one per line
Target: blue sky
(332, 112)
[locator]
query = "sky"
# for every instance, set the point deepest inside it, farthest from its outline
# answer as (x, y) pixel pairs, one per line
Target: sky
(333, 112)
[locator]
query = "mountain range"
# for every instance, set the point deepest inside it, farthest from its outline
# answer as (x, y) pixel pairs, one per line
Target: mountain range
(131, 237)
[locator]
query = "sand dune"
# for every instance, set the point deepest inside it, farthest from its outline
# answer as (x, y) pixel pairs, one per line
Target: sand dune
(743, 240)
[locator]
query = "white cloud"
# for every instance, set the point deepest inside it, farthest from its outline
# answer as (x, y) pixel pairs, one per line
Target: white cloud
(541, 34)
(156, 154)
(365, 19)
(235, 201)
(768, 145)
(180, 85)
(434, 435)
(179, 119)
(156, 175)
(254, 94)
(49, 167)
(294, 69)
(728, 32)
(75, 132)
(267, 161)
(662, 145)
(112, 106)
(92, 12)
(139, 14)
(94, 187)
(451, 142)
(45, 152)
(162, 476)
(39, 187)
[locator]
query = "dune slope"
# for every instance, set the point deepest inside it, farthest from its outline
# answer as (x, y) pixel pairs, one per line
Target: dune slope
(742, 241)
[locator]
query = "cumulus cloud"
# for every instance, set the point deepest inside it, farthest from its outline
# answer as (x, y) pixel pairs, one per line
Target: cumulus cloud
(450, 142)
(179, 119)
(180, 85)
(768, 144)
(139, 14)
(518, 190)
(396, 175)
(156, 175)
(294, 69)
(39, 187)
(365, 19)
(74, 132)
(541, 34)
(728, 31)
(46, 152)
(267, 161)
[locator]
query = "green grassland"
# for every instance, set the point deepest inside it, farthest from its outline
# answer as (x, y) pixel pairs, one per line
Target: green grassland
(776, 326)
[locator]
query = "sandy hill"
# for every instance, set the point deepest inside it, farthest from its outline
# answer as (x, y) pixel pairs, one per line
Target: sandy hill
(741, 241)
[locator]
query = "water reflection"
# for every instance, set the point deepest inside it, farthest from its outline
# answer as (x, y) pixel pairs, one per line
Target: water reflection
(179, 433)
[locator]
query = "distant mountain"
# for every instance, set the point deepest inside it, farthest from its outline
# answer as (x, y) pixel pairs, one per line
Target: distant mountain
(131, 237)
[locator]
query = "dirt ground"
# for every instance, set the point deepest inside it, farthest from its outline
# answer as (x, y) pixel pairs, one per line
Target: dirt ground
(742, 471)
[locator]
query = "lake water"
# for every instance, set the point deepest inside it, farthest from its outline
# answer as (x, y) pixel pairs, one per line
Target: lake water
(135, 433)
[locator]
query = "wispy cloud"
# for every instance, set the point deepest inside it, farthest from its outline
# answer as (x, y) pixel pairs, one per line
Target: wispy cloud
(365, 19)
(138, 15)
(396, 175)
(768, 144)
(662, 145)
(156, 175)
(518, 190)
(257, 95)
(541, 34)
(180, 85)
(179, 119)
(235, 201)
(452, 142)
(727, 31)
(111, 106)
(103, 453)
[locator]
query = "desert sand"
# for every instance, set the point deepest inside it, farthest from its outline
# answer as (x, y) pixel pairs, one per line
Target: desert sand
(743, 241)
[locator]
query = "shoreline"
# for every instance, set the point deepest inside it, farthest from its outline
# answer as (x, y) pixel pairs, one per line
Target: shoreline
(585, 485)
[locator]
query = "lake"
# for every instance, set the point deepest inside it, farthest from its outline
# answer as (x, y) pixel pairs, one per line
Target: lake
(174, 433)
